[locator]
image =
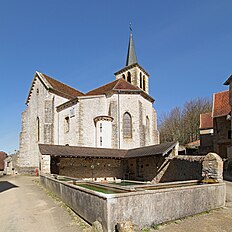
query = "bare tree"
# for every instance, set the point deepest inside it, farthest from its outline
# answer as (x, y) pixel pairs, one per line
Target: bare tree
(182, 124)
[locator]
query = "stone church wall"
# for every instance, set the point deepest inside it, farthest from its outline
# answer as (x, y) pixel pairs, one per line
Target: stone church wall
(37, 125)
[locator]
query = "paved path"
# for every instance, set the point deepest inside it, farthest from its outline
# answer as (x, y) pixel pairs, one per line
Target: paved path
(219, 220)
(25, 207)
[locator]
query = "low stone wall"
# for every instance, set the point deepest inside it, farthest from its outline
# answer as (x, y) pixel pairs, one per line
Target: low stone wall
(27, 170)
(142, 208)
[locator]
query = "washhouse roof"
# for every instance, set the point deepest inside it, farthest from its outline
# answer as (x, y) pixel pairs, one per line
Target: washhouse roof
(75, 151)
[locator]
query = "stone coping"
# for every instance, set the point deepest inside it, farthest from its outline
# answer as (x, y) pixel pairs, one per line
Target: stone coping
(137, 191)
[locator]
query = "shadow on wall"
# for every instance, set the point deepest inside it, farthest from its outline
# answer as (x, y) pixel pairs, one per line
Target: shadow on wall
(180, 170)
(5, 185)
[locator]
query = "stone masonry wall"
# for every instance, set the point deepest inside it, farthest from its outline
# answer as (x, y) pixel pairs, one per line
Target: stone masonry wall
(91, 168)
(221, 138)
(40, 110)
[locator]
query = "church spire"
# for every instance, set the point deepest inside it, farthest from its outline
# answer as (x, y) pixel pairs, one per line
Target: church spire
(131, 56)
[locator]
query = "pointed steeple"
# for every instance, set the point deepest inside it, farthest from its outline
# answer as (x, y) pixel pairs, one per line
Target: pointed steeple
(131, 56)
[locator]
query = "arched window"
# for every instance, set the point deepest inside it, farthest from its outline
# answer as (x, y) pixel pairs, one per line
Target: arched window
(123, 76)
(66, 124)
(148, 128)
(141, 81)
(38, 129)
(127, 125)
(129, 77)
(144, 83)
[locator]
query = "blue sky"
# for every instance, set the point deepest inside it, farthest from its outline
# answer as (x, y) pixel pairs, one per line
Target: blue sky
(185, 46)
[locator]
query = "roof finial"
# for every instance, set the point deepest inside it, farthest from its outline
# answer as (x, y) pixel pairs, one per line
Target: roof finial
(131, 56)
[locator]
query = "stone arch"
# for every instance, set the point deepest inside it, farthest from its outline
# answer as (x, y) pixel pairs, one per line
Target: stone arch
(144, 82)
(141, 80)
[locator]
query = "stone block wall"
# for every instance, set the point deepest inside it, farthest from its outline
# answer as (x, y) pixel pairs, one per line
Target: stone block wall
(180, 170)
(91, 168)
(37, 125)
(221, 135)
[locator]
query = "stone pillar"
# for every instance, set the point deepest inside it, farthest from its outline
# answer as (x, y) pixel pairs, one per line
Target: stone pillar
(45, 164)
(212, 167)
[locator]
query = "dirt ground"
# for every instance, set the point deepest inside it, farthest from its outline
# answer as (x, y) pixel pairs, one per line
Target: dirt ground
(26, 207)
(219, 220)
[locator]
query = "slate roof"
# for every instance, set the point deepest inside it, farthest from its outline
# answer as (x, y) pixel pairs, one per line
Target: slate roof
(131, 55)
(221, 105)
(74, 151)
(206, 121)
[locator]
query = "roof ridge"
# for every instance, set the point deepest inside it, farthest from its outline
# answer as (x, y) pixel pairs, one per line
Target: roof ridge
(123, 80)
(222, 91)
(104, 85)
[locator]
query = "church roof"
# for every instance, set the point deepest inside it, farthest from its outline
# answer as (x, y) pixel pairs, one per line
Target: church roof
(221, 104)
(54, 86)
(63, 88)
(131, 55)
(75, 151)
(118, 85)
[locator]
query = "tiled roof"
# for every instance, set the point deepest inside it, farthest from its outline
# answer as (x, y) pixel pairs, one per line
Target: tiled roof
(54, 86)
(193, 144)
(62, 88)
(119, 84)
(159, 149)
(206, 121)
(74, 151)
(221, 105)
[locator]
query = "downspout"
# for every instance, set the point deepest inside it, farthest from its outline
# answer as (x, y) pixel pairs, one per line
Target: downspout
(118, 120)
(58, 129)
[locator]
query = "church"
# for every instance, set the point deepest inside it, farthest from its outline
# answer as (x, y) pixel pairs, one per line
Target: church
(117, 115)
